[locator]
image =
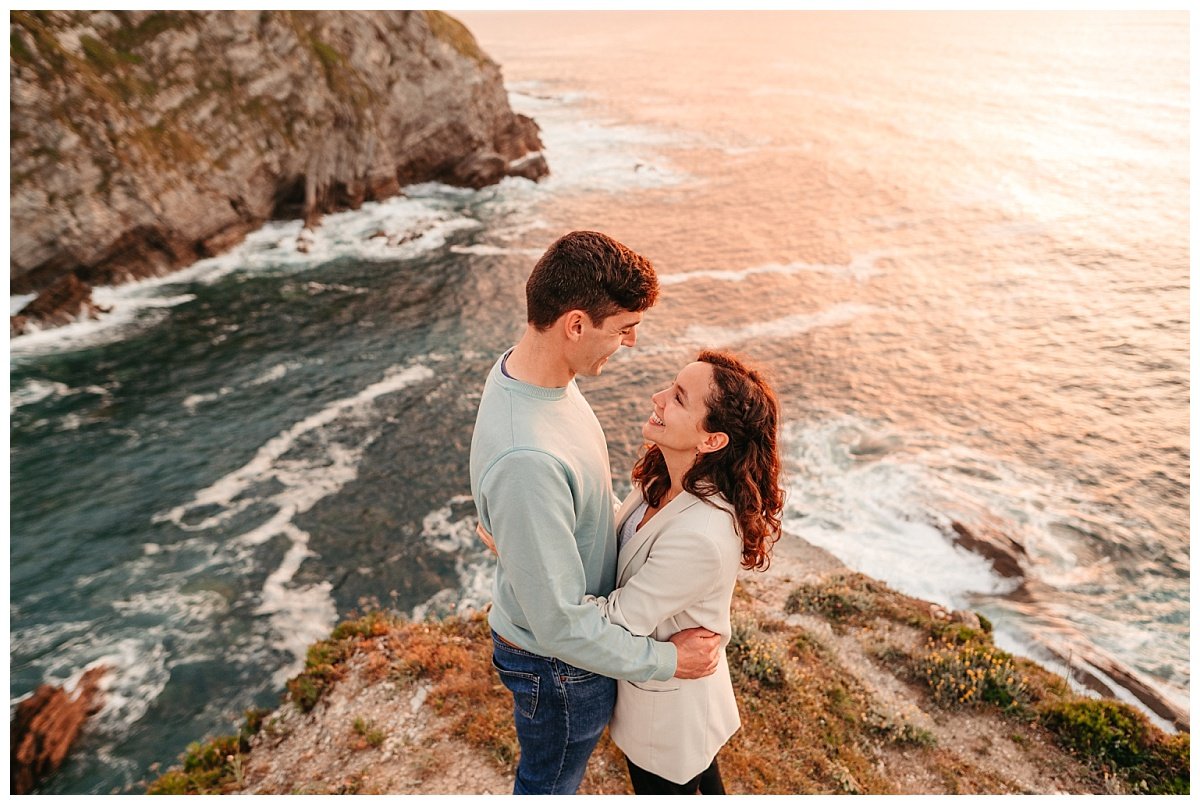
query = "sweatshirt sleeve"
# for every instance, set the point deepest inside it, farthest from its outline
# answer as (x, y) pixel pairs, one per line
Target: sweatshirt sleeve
(528, 506)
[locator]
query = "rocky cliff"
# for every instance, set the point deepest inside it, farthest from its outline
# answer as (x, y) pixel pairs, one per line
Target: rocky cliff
(844, 686)
(142, 141)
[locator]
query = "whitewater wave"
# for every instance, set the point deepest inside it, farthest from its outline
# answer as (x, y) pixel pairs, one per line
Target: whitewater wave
(968, 530)
(593, 154)
(136, 303)
(399, 228)
(309, 461)
(272, 375)
(489, 249)
(857, 496)
(451, 529)
(784, 327)
(194, 401)
(860, 268)
(34, 391)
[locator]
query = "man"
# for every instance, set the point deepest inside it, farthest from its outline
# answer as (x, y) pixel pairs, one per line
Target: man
(541, 482)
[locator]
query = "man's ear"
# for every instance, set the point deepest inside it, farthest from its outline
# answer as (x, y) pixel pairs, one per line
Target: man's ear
(713, 442)
(573, 323)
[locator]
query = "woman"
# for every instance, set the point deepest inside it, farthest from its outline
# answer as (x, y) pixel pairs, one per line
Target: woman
(706, 501)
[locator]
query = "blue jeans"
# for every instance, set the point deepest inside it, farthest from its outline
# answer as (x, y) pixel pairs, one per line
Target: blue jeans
(559, 710)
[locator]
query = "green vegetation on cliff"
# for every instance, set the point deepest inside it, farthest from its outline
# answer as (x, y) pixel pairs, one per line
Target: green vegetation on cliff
(810, 722)
(453, 32)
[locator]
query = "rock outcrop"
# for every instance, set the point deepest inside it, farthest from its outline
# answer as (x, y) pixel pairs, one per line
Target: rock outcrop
(142, 141)
(1005, 553)
(46, 724)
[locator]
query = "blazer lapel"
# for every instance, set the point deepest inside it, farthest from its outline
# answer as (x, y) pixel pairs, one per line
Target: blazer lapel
(632, 501)
(650, 530)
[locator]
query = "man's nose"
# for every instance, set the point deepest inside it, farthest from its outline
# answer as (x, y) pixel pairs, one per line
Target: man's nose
(630, 338)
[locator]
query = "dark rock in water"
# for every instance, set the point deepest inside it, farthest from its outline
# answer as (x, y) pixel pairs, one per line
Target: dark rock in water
(62, 303)
(532, 167)
(46, 724)
(142, 141)
(478, 170)
(1005, 553)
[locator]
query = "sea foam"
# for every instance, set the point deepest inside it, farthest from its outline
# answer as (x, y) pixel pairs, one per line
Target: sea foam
(783, 327)
(298, 615)
(869, 510)
(474, 565)
(860, 268)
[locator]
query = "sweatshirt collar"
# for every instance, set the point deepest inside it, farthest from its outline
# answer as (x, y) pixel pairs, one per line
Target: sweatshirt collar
(507, 381)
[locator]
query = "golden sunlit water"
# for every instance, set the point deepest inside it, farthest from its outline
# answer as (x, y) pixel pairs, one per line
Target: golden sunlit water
(961, 241)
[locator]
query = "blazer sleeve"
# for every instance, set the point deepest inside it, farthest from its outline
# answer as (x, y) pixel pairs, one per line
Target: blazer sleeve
(682, 567)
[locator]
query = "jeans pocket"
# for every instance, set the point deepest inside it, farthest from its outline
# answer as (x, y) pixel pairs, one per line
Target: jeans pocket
(523, 686)
(569, 674)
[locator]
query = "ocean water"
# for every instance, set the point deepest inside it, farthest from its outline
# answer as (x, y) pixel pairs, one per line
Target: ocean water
(958, 242)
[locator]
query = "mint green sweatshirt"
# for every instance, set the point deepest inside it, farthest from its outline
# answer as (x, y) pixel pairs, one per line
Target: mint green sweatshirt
(542, 487)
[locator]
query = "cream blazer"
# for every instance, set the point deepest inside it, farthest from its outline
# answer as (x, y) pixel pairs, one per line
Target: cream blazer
(677, 572)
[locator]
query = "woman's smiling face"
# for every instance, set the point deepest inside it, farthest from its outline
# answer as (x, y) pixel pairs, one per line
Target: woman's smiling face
(677, 422)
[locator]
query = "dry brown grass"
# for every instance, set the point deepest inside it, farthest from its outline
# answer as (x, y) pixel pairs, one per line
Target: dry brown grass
(810, 725)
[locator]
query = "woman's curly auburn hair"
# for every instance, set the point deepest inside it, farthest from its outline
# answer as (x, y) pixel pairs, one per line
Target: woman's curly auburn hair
(746, 472)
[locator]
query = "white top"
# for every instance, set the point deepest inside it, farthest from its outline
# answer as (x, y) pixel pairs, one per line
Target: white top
(630, 526)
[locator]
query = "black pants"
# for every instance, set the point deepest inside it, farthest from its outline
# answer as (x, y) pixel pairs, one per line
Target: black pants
(706, 782)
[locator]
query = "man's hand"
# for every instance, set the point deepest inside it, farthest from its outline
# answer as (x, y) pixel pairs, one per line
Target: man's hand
(485, 537)
(698, 651)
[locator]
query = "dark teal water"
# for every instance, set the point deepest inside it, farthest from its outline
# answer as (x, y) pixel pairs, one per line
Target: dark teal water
(959, 243)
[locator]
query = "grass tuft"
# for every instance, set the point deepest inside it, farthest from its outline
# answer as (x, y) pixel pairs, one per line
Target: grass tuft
(971, 672)
(454, 33)
(1117, 738)
(213, 767)
(851, 599)
(751, 655)
(367, 730)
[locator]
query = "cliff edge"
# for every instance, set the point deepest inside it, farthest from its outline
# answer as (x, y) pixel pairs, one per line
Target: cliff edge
(844, 686)
(142, 141)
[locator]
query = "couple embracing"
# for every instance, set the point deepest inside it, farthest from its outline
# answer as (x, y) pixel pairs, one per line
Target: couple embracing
(618, 616)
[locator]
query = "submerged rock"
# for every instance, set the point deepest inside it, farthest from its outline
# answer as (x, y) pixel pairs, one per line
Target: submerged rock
(144, 140)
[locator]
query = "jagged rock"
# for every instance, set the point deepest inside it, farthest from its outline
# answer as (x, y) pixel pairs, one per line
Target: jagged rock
(62, 303)
(46, 724)
(142, 141)
(532, 167)
(1005, 553)
(478, 170)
